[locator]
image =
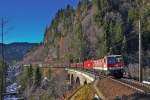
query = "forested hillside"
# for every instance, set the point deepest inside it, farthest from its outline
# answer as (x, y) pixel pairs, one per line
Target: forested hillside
(15, 51)
(97, 28)
(2, 65)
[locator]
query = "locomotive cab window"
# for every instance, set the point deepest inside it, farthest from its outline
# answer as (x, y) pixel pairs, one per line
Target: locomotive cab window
(111, 60)
(119, 59)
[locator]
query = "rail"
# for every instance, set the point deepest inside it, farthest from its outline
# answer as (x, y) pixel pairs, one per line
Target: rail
(136, 84)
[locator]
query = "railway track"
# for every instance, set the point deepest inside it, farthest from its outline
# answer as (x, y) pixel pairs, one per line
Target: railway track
(139, 87)
(144, 87)
(135, 85)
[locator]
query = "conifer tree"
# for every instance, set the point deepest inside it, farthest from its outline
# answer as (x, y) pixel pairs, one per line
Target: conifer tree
(124, 46)
(38, 76)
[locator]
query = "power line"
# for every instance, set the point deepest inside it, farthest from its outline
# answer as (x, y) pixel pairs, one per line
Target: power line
(130, 38)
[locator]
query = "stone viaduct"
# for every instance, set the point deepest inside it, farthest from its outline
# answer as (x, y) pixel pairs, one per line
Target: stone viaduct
(79, 77)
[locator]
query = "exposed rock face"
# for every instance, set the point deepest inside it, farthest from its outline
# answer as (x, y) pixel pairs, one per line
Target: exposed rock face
(37, 55)
(62, 45)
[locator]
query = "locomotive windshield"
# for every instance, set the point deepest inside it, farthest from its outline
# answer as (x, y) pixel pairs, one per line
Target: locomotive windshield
(111, 60)
(115, 59)
(119, 59)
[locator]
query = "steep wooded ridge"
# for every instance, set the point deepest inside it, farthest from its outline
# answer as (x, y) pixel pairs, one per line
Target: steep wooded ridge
(15, 51)
(95, 28)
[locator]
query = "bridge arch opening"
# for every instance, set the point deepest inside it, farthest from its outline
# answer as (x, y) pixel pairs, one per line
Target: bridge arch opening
(72, 79)
(78, 81)
(68, 77)
(85, 82)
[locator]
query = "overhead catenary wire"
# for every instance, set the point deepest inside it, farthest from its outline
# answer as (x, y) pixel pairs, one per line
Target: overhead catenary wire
(130, 38)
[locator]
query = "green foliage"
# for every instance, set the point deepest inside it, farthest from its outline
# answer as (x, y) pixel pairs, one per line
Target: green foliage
(69, 56)
(80, 42)
(103, 46)
(97, 4)
(124, 46)
(38, 76)
(107, 40)
(101, 8)
(84, 6)
(54, 24)
(30, 72)
(98, 19)
(118, 30)
(43, 96)
(23, 79)
(1, 74)
(49, 73)
(67, 20)
(133, 15)
(57, 52)
(148, 24)
(115, 22)
(27, 76)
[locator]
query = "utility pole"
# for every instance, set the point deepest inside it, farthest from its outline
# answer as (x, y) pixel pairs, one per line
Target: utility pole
(140, 54)
(2, 40)
(3, 24)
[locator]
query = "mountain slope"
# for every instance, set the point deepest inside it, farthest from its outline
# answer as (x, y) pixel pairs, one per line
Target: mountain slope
(15, 51)
(97, 28)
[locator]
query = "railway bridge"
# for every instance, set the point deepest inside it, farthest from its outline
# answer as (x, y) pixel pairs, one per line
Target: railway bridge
(105, 87)
(74, 76)
(79, 77)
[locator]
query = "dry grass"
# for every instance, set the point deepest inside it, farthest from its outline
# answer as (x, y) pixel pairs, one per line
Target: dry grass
(85, 93)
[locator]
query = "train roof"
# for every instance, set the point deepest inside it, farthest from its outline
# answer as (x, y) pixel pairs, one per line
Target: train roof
(113, 55)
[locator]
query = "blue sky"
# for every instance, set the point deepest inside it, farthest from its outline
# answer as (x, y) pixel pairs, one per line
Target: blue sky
(28, 18)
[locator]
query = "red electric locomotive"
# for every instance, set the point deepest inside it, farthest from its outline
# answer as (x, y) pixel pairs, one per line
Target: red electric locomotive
(110, 65)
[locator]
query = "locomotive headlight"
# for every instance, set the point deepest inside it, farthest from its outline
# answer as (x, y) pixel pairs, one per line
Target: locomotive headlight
(116, 65)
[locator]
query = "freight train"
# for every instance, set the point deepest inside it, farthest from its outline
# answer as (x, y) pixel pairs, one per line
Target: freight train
(109, 65)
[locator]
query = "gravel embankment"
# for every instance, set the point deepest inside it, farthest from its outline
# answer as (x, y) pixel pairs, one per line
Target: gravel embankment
(111, 89)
